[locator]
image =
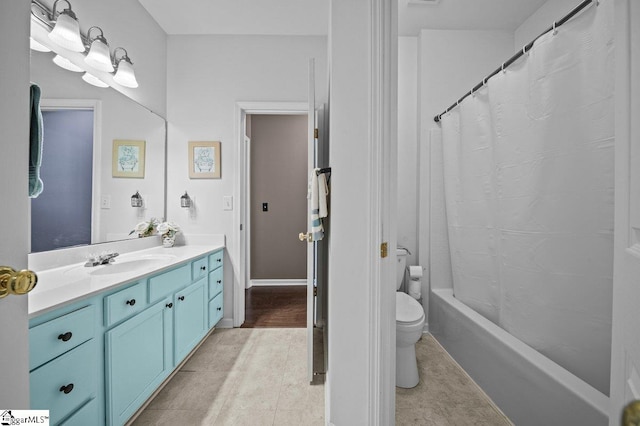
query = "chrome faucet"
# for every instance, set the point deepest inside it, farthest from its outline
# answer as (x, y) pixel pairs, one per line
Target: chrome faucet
(101, 259)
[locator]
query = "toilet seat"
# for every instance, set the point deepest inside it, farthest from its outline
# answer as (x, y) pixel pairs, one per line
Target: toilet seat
(408, 310)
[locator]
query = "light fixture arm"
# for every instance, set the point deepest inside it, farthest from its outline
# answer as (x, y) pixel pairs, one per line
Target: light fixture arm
(48, 17)
(124, 57)
(68, 10)
(98, 37)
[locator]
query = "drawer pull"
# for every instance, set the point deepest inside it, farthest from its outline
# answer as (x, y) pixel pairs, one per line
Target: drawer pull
(67, 389)
(219, 281)
(131, 302)
(169, 305)
(181, 298)
(218, 260)
(219, 308)
(203, 268)
(65, 337)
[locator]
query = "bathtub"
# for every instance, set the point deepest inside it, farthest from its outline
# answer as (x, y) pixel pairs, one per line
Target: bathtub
(527, 386)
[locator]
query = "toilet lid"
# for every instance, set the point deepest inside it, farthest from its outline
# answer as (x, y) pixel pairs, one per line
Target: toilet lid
(407, 308)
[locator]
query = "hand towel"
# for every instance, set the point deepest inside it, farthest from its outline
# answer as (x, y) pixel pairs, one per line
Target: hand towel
(35, 144)
(323, 191)
(317, 231)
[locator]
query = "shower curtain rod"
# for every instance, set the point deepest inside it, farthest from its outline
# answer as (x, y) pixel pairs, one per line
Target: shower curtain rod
(524, 50)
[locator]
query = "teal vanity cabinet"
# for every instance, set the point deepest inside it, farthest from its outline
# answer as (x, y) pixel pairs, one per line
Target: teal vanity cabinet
(64, 363)
(215, 287)
(97, 361)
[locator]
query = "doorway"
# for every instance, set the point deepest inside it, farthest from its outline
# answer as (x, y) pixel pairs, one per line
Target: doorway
(275, 293)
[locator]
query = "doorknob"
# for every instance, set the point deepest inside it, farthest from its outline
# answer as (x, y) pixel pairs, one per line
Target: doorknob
(631, 414)
(304, 237)
(16, 282)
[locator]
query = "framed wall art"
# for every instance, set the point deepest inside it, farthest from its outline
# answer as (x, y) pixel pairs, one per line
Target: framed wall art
(127, 160)
(204, 160)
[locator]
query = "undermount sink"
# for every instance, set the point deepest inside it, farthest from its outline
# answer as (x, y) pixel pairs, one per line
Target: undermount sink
(125, 264)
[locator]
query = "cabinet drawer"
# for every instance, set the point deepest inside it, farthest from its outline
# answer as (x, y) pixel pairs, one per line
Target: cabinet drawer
(75, 373)
(199, 268)
(167, 283)
(215, 283)
(125, 303)
(215, 310)
(215, 260)
(55, 337)
(87, 415)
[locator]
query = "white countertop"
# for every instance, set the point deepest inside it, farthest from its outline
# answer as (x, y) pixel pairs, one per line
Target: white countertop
(59, 286)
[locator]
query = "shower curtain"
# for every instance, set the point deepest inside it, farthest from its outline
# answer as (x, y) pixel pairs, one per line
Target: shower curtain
(529, 185)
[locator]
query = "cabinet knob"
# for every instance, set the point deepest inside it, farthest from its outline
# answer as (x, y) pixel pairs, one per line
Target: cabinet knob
(67, 389)
(169, 305)
(219, 281)
(219, 308)
(203, 268)
(65, 337)
(218, 260)
(131, 302)
(181, 298)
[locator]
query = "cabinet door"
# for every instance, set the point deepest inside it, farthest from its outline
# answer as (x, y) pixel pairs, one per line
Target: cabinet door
(190, 318)
(138, 359)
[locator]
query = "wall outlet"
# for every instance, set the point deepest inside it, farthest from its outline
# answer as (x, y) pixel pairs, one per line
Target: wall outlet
(227, 202)
(105, 202)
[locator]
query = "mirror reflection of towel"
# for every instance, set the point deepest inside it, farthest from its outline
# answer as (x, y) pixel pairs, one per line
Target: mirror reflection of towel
(35, 144)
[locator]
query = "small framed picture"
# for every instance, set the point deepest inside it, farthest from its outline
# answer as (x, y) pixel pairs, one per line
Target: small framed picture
(204, 160)
(127, 160)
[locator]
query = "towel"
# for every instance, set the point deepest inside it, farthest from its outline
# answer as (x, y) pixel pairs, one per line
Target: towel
(35, 144)
(317, 231)
(323, 191)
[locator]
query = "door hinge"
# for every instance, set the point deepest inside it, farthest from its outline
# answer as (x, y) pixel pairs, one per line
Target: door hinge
(315, 291)
(384, 251)
(315, 133)
(241, 227)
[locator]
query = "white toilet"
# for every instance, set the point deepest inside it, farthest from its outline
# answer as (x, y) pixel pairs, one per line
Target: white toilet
(409, 323)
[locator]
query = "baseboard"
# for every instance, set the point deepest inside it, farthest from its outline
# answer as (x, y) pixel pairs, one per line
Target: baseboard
(225, 323)
(276, 282)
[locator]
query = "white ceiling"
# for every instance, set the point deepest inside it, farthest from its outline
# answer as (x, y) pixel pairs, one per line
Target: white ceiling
(311, 17)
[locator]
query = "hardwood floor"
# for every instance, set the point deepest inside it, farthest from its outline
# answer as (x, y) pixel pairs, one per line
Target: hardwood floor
(276, 306)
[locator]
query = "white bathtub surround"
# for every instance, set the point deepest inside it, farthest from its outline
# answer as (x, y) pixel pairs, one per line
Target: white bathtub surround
(70, 282)
(528, 170)
(529, 388)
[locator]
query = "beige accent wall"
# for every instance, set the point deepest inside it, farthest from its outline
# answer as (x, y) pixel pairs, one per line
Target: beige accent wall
(279, 178)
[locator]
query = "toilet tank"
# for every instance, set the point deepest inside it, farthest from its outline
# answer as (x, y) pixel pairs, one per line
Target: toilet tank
(401, 265)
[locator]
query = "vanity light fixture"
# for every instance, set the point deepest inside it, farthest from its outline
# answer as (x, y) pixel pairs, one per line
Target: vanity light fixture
(185, 201)
(66, 31)
(99, 56)
(136, 200)
(124, 73)
(63, 62)
(93, 80)
(37, 46)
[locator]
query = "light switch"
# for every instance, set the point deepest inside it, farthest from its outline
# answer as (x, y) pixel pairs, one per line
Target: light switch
(105, 202)
(227, 202)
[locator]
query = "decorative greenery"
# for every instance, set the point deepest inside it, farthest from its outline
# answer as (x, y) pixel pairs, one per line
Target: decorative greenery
(147, 228)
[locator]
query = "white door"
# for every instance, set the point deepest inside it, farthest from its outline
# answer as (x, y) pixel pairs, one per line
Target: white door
(315, 249)
(625, 354)
(14, 224)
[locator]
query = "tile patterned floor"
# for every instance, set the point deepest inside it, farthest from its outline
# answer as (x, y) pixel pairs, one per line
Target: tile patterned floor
(258, 377)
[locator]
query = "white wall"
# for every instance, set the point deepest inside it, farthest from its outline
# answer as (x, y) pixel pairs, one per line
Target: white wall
(542, 19)
(121, 118)
(14, 137)
(450, 63)
(408, 146)
(206, 76)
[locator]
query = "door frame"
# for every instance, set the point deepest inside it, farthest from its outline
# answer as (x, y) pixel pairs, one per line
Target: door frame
(242, 192)
(94, 105)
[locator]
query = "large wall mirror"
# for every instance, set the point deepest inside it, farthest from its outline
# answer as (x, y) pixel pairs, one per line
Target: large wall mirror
(83, 200)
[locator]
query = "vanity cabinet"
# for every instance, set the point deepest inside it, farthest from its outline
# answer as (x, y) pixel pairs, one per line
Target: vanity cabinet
(64, 362)
(97, 361)
(138, 358)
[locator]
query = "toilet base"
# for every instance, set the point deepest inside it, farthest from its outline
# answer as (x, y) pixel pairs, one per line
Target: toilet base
(406, 367)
